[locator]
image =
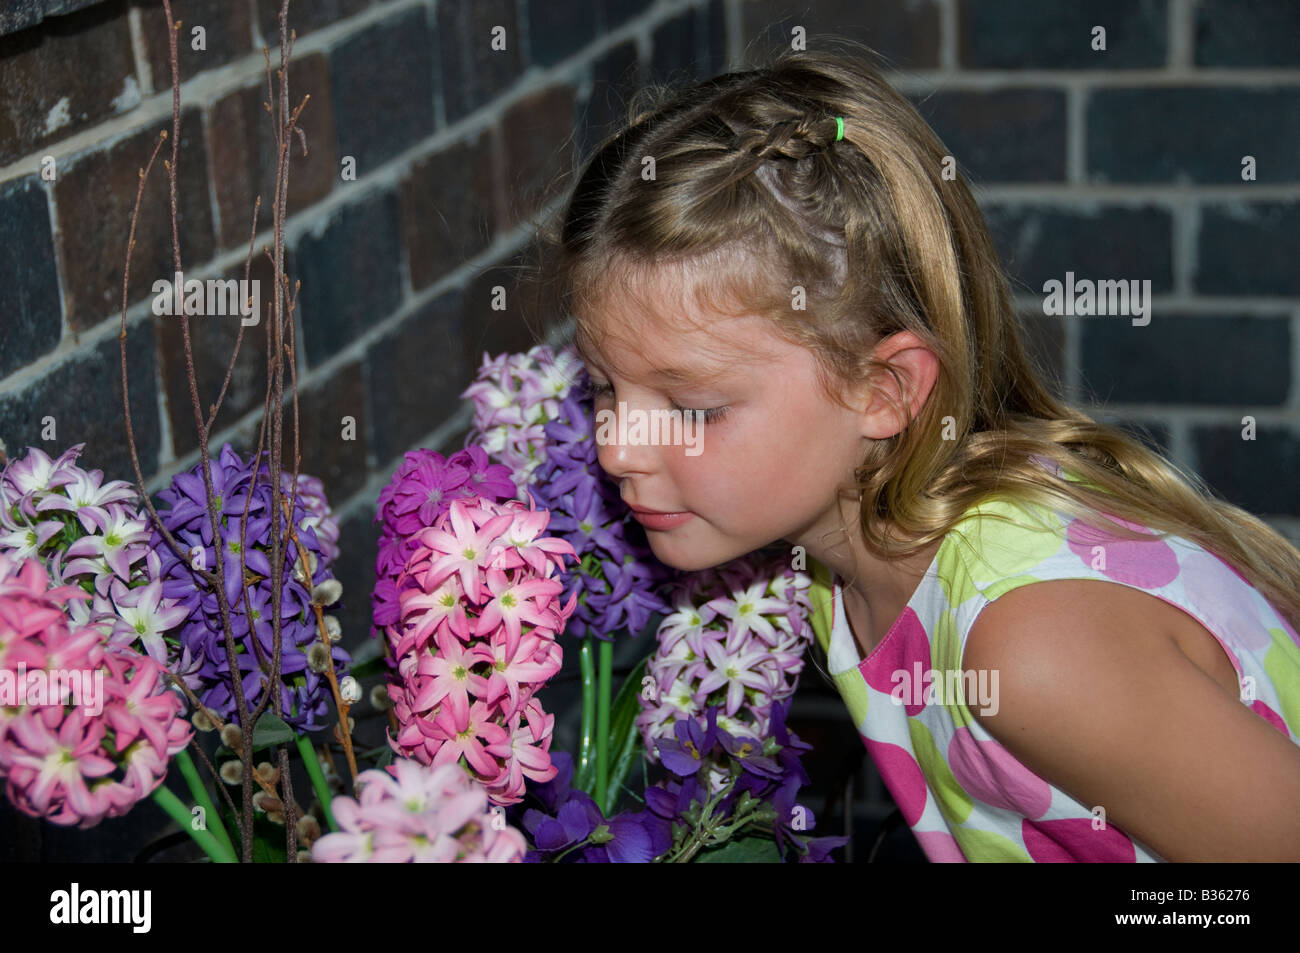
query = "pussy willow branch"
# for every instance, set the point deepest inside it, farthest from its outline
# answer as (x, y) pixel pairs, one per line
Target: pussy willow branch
(215, 580)
(345, 735)
(273, 407)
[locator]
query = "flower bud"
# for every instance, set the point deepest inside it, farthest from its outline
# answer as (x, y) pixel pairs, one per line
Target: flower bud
(304, 857)
(298, 573)
(232, 736)
(379, 697)
(275, 817)
(308, 829)
(201, 722)
(350, 690)
(268, 772)
(269, 803)
(327, 593)
(352, 726)
(333, 630)
(232, 772)
(318, 658)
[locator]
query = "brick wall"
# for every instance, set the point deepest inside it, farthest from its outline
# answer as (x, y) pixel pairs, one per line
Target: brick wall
(1117, 164)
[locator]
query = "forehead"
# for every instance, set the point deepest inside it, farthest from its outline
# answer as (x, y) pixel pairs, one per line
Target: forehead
(671, 323)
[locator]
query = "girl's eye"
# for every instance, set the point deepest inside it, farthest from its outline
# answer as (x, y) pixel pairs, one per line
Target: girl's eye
(710, 415)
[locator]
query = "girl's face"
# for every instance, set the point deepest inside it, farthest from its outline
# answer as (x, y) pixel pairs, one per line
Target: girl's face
(764, 466)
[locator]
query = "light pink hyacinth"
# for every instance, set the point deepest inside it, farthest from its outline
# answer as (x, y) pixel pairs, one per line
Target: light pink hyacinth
(414, 813)
(76, 760)
(475, 640)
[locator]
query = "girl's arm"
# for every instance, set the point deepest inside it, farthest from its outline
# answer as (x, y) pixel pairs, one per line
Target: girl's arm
(1096, 697)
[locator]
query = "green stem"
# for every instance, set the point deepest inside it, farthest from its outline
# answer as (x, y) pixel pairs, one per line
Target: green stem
(588, 706)
(200, 792)
(177, 811)
(310, 759)
(602, 719)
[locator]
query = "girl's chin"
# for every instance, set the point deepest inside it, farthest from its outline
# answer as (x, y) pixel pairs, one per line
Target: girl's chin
(684, 557)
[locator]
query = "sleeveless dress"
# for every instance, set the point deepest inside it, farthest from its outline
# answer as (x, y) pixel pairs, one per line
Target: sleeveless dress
(965, 797)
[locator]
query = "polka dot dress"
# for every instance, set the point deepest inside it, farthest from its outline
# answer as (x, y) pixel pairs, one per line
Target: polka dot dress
(965, 797)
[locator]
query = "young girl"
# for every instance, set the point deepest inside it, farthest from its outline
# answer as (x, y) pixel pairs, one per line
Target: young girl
(786, 253)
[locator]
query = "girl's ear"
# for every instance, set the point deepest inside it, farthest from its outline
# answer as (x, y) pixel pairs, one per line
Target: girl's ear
(916, 366)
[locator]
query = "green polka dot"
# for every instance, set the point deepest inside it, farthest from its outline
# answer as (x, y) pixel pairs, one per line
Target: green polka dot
(1282, 663)
(994, 549)
(854, 692)
(954, 803)
(945, 649)
(986, 846)
(955, 581)
(1003, 586)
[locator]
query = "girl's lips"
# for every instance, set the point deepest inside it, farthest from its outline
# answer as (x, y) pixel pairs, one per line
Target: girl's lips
(661, 521)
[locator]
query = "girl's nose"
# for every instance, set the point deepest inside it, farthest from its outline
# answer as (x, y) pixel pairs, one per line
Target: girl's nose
(618, 449)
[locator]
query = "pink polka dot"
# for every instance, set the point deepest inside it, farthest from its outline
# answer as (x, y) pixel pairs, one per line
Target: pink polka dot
(940, 848)
(987, 771)
(1147, 564)
(906, 651)
(1073, 839)
(902, 775)
(1272, 717)
(1226, 607)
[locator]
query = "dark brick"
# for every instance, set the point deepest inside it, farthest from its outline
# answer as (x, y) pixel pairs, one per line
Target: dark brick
(84, 396)
(904, 33)
(355, 569)
(1257, 475)
(674, 56)
(1038, 243)
(1154, 435)
(351, 275)
(1248, 249)
(1192, 134)
(70, 74)
(537, 147)
(340, 463)
(212, 342)
(1043, 337)
(1262, 33)
(449, 204)
(519, 327)
(614, 13)
(303, 18)
(1057, 34)
(416, 375)
(615, 77)
(335, 454)
(471, 72)
(241, 134)
(383, 89)
(228, 36)
(713, 21)
(29, 281)
(23, 14)
(1188, 359)
(1011, 135)
(94, 197)
(557, 29)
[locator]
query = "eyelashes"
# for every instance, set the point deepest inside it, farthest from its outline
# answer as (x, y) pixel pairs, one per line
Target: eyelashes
(711, 415)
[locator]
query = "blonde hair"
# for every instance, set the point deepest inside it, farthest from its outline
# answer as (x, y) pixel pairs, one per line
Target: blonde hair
(750, 185)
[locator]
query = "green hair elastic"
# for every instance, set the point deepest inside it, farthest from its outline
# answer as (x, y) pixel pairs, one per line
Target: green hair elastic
(839, 128)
